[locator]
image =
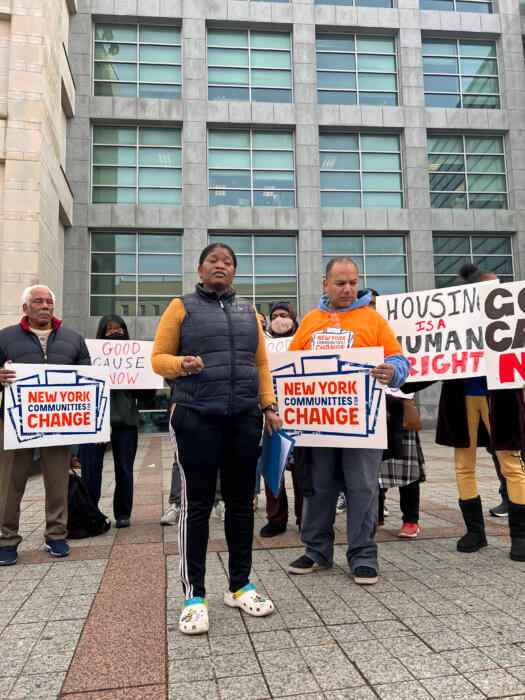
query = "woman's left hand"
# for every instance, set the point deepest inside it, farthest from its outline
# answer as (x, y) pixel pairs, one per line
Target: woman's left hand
(272, 421)
(384, 372)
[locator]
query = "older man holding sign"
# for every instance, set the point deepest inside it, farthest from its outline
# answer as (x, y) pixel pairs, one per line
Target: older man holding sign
(344, 320)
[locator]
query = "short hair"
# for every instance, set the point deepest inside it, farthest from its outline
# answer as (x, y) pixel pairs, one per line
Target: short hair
(211, 247)
(338, 259)
(28, 293)
(372, 292)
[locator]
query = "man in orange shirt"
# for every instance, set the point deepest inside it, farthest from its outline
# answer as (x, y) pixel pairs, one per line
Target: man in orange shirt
(344, 319)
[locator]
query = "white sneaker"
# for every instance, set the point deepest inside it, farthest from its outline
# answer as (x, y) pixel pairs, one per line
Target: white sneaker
(219, 509)
(250, 601)
(341, 503)
(194, 616)
(171, 516)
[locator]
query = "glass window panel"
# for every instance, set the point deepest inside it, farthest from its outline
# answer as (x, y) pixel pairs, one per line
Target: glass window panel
(337, 81)
(438, 64)
(357, 259)
(336, 61)
(161, 264)
(243, 286)
(384, 244)
(271, 95)
(484, 183)
(377, 81)
(441, 47)
(385, 265)
(441, 200)
(449, 264)
(115, 89)
(153, 136)
(159, 243)
(338, 142)
(484, 144)
(479, 66)
(279, 180)
(274, 244)
(114, 155)
(481, 101)
(160, 54)
(114, 176)
(497, 264)
(275, 286)
(376, 44)
(109, 262)
(109, 284)
(230, 178)
(275, 265)
(159, 284)
(451, 244)
(228, 93)
(115, 32)
(436, 5)
(373, 3)
(432, 100)
(160, 74)
(114, 242)
(269, 139)
(379, 143)
(160, 177)
(229, 76)
(273, 198)
(230, 198)
(446, 281)
(228, 57)
(491, 245)
(382, 200)
(481, 7)
(447, 181)
(446, 163)
(160, 197)
(273, 159)
(224, 37)
(441, 83)
(117, 135)
(445, 144)
(123, 306)
(342, 245)
(271, 78)
(484, 164)
(159, 34)
(169, 157)
(378, 98)
(339, 161)
(487, 201)
(340, 199)
(381, 181)
(334, 42)
(244, 265)
(368, 62)
(327, 97)
(270, 40)
(115, 52)
(115, 71)
(473, 84)
(154, 306)
(239, 244)
(484, 49)
(114, 195)
(387, 285)
(270, 59)
(381, 161)
(172, 92)
(340, 181)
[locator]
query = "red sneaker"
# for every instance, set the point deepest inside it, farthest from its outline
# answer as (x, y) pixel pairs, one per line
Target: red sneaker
(408, 530)
(381, 523)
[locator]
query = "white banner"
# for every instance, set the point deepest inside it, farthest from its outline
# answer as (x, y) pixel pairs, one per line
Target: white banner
(503, 319)
(439, 331)
(128, 363)
(278, 344)
(50, 405)
(330, 399)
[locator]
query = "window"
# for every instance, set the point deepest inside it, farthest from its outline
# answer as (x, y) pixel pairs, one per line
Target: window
(266, 268)
(137, 60)
(249, 65)
(457, 5)
(134, 274)
(251, 168)
(460, 73)
(466, 172)
(381, 260)
(356, 69)
(357, 3)
(489, 251)
(136, 165)
(360, 170)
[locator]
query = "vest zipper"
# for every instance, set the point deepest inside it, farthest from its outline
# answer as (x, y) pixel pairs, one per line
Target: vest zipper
(232, 363)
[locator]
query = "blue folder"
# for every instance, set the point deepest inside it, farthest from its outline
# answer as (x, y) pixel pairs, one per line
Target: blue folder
(276, 450)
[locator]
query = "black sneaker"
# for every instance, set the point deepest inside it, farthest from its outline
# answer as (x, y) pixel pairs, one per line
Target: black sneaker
(272, 529)
(501, 511)
(365, 575)
(123, 522)
(304, 565)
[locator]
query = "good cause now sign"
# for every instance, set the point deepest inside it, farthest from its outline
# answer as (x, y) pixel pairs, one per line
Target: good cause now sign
(128, 363)
(56, 405)
(330, 399)
(439, 330)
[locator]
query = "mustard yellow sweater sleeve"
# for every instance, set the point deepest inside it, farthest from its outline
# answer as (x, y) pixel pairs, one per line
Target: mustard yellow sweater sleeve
(266, 394)
(165, 359)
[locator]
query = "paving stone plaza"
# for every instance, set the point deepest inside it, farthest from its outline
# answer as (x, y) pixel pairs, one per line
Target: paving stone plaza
(103, 623)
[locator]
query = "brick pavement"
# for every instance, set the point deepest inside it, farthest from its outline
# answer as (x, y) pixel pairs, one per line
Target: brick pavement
(103, 622)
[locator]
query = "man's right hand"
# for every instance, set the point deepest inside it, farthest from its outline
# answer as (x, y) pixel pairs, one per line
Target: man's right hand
(7, 376)
(192, 365)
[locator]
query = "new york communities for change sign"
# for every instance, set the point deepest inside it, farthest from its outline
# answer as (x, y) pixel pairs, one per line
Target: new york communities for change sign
(439, 330)
(56, 405)
(329, 399)
(503, 318)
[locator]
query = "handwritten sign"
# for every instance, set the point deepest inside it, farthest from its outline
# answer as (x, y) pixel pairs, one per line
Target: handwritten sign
(278, 344)
(128, 363)
(503, 319)
(439, 331)
(330, 399)
(56, 405)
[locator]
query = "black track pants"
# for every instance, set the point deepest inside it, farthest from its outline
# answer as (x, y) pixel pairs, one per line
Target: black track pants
(206, 443)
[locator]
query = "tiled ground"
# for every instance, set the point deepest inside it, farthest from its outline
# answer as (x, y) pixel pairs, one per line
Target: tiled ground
(103, 623)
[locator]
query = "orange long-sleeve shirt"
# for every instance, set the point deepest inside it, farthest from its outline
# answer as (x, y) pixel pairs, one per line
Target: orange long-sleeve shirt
(165, 359)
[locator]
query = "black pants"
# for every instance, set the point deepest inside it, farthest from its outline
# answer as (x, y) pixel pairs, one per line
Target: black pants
(124, 446)
(408, 502)
(206, 444)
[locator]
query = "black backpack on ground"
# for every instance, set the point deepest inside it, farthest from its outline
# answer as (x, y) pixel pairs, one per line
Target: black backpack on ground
(84, 518)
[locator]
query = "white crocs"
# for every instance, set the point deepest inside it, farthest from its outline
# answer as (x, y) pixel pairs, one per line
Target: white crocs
(250, 601)
(194, 616)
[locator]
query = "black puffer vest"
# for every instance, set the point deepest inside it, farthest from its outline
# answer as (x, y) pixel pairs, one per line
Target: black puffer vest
(223, 331)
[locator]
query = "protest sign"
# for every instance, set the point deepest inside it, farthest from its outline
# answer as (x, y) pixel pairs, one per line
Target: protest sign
(128, 363)
(330, 399)
(49, 405)
(503, 319)
(439, 331)
(278, 344)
